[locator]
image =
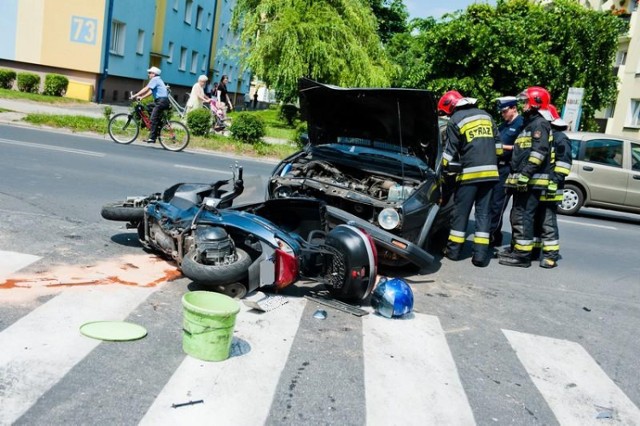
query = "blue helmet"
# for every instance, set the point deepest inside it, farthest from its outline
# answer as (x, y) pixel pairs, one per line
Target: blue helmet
(392, 297)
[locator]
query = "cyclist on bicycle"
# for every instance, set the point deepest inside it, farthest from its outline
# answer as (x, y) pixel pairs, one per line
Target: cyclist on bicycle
(158, 89)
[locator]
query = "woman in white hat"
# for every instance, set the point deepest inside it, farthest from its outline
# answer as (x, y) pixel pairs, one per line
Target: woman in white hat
(197, 97)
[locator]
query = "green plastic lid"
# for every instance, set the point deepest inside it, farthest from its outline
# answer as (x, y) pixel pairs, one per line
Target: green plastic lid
(117, 331)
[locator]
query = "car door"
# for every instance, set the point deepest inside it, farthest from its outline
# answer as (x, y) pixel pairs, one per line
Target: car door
(633, 187)
(602, 170)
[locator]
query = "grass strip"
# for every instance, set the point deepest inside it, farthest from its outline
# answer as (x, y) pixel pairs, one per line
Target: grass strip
(212, 142)
(15, 94)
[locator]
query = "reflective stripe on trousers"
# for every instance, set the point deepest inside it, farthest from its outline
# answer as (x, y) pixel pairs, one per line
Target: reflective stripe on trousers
(466, 197)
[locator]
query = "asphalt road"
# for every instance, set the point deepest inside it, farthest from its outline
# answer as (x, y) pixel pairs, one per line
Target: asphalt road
(496, 345)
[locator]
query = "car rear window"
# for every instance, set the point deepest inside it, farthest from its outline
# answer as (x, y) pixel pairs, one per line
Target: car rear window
(604, 151)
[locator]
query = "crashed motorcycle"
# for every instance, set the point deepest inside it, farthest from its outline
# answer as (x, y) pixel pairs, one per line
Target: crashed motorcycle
(236, 250)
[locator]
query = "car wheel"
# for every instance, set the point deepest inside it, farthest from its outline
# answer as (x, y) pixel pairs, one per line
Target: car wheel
(571, 201)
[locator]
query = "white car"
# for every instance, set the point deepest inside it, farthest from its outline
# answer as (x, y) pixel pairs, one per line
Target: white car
(605, 173)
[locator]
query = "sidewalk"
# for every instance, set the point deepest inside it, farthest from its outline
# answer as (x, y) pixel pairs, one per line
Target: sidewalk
(31, 107)
(20, 108)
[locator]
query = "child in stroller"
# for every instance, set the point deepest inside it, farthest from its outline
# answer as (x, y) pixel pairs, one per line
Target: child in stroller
(220, 119)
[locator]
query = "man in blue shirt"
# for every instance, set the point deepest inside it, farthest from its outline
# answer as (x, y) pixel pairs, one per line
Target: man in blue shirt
(158, 89)
(509, 130)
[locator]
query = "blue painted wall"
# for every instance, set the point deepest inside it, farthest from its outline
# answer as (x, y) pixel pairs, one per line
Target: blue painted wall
(8, 25)
(227, 61)
(136, 15)
(189, 37)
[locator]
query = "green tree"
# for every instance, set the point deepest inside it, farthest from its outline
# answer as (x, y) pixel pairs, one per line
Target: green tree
(392, 17)
(489, 51)
(333, 41)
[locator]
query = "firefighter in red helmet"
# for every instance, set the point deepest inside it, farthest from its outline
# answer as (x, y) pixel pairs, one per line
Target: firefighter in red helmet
(529, 177)
(546, 238)
(472, 139)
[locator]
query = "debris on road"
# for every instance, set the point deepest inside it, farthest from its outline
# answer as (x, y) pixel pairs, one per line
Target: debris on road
(336, 304)
(184, 404)
(265, 303)
(320, 314)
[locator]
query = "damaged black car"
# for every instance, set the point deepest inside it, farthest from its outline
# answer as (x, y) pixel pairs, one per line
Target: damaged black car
(373, 155)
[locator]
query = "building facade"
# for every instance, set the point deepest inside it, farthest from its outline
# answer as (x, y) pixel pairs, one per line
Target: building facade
(105, 47)
(226, 60)
(623, 118)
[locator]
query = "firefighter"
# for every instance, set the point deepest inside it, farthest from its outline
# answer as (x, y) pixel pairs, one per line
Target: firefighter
(472, 138)
(546, 234)
(529, 177)
(509, 130)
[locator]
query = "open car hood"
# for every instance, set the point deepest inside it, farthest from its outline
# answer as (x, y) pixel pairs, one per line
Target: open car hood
(404, 120)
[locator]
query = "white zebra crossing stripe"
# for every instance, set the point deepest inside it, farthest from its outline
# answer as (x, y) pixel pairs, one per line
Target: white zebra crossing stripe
(411, 359)
(239, 390)
(11, 262)
(30, 363)
(571, 382)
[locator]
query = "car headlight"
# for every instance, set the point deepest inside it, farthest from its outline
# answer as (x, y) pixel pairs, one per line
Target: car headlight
(388, 219)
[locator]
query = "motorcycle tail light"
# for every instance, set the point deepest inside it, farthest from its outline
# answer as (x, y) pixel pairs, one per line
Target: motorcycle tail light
(286, 268)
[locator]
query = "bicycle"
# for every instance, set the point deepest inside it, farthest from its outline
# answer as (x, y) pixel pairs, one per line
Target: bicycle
(124, 128)
(179, 109)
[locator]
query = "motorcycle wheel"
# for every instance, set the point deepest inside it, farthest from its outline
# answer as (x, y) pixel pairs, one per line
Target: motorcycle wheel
(121, 213)
(216, 275)
(235, 290)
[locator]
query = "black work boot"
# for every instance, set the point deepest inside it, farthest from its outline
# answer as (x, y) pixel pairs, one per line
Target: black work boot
(480, 262)
(535, 253)
(548, 263)
(512, 259)
(495, 240)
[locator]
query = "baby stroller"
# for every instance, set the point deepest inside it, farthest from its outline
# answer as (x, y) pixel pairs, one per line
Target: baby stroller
(220, 119)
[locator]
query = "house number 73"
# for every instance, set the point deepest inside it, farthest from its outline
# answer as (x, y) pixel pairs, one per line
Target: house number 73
(83, 30)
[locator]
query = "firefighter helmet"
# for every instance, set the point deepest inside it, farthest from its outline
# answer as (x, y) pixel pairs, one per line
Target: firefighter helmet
(537, 97)
(556, 122)
(554, 112)
(448, 102)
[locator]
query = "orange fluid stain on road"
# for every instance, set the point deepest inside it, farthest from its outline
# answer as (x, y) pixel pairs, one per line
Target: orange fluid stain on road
(131, 270)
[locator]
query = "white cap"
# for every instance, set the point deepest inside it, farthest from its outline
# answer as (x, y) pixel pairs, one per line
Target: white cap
(466, 101)
(203, 78)
(559, 122)
(155, 70)
(546, 114)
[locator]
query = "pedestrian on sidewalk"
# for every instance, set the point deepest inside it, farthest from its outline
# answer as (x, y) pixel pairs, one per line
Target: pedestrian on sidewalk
(224, 93)
(197, 98)
(158, 89)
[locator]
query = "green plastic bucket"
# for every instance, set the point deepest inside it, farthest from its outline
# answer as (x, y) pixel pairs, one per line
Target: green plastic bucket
(208, 322)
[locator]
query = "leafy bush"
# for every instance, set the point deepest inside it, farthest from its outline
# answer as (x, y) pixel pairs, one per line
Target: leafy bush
(28, 82)
(199, 121)
(288, 113)
(6, 78)
(301, 136)
(248, 127)
(107, 111)
(55, 85)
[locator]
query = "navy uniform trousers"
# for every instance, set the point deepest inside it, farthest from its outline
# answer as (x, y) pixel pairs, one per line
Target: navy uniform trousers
(468, 195)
